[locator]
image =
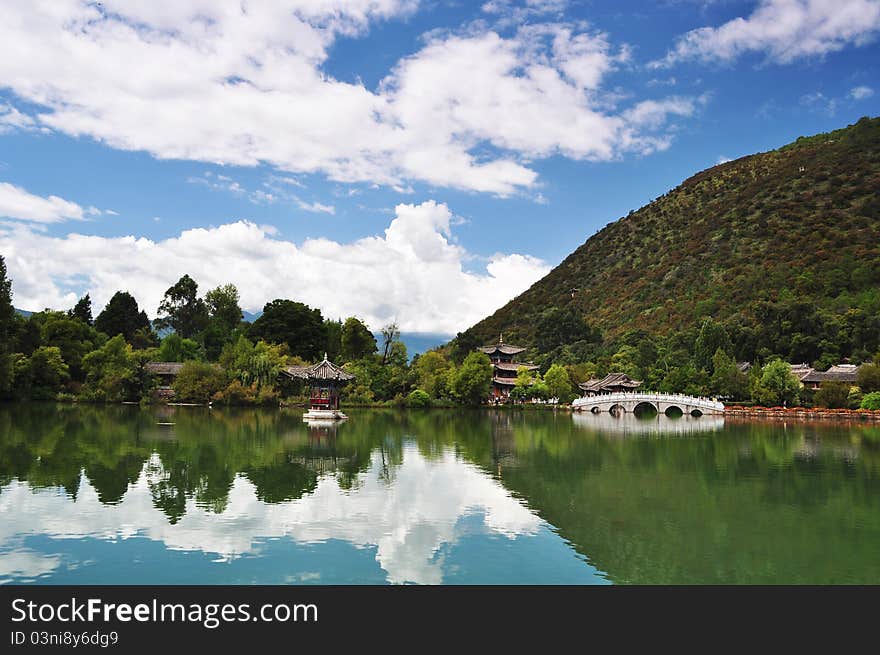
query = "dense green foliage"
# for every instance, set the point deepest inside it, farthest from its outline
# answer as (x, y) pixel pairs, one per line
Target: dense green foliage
(833, 395)
(871, 401)
(293, 323)
(121, 315)
(198, 381)
(182, 310)
(471, 382)
(781, 249)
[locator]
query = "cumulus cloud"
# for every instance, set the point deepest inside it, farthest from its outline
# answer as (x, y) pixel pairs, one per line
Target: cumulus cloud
(784, 30)
(244, 84)
(18, 204)
(414, 272)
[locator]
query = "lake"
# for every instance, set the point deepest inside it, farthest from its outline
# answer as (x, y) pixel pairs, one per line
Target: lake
(183, 495)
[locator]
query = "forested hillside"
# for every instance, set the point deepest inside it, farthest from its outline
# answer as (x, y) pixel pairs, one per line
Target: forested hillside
(782, 248)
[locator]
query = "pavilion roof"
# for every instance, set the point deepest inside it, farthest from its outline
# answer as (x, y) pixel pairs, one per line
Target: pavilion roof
(324, 370)
(610, 380)
(163, 368)
(514, 366)
(501, 347)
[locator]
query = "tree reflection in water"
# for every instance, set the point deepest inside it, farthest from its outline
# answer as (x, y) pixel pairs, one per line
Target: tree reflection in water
(657, 501)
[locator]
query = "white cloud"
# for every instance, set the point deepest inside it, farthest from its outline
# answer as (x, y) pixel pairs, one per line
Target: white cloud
(315, 207)
(784, 30)
(414, 272)
(819, 102)
(12, 119)
(723, 160)
(208, 81)
(861, 92)
(18, 204)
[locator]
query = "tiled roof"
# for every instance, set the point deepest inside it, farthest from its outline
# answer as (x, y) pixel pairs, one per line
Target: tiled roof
(837, 373)
(513, 366)
(163, 368)
(502, 348)
(610, 380)
(325, 370)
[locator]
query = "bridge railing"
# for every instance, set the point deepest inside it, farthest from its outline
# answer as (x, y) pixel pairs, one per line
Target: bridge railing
(656, 397)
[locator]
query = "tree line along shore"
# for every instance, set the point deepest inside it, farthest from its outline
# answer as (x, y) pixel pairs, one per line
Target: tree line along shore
(71, 355)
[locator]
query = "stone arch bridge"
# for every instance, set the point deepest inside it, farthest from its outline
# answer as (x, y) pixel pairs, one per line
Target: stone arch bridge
(662, 403)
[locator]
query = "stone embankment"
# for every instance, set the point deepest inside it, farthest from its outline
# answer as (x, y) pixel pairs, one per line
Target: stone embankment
(733, 411)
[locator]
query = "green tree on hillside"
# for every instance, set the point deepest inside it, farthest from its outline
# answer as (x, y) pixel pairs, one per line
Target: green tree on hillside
(7, 326)
(175, 348)
(712, 337)
(82, 310)
(42, 375)
(182, 310)
(558, 384)
(333, 330)
(473, 379)
(727, 380)
(868, 379)
(776, 385)
(432, 373)
(390, 336)
(833, 395)
(293, 323)
(356, 341)
(115, 372)
(122, 316)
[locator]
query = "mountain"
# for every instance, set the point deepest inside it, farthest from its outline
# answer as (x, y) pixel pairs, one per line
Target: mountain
(782, 247)
(417, 343)
(23, 312)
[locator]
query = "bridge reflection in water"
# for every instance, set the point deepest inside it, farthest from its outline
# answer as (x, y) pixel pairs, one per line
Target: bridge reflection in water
(658, 425)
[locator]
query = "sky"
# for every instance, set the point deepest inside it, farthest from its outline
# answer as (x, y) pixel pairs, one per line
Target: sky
(417, 161)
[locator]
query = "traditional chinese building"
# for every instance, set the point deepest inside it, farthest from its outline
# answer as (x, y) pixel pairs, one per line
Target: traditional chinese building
(165, 374)
(504, 367)
(847, 373)
(324, 379)
(611, 383)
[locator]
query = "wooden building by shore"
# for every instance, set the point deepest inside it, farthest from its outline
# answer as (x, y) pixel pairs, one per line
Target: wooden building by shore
(504, 367)
(611, 383)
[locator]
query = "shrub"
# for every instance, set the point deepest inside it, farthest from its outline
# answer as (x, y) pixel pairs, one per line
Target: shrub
(198, 382)
(833, 395)
(418, 398)
(871, 400)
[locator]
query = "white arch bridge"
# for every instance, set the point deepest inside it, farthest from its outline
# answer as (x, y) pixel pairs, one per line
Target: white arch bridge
(662, 403)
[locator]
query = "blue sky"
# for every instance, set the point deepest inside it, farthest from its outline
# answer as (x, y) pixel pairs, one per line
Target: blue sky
(419, 161)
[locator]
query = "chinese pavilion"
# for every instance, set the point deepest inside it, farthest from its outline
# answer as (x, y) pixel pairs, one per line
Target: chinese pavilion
(504, 367)
(325, 380)
(611, 383)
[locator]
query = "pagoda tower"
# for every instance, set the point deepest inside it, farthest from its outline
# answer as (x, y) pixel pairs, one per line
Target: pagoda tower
(504, 367)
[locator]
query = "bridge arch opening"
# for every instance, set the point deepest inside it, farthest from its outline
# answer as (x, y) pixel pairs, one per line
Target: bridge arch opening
(645, 409)
(617, 410)
(696, 413)
(674, 411)
(595, 410)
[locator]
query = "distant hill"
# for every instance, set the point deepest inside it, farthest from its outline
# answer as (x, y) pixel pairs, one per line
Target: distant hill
(782, 246)
(23, 312)
(417, 342)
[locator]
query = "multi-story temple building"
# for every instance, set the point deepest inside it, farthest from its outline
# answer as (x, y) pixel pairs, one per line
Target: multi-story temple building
(504, 367)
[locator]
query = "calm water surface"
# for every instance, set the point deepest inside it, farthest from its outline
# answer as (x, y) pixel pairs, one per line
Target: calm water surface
(106, 495)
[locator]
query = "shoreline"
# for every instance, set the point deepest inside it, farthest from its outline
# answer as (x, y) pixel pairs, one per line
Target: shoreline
(805, 413)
